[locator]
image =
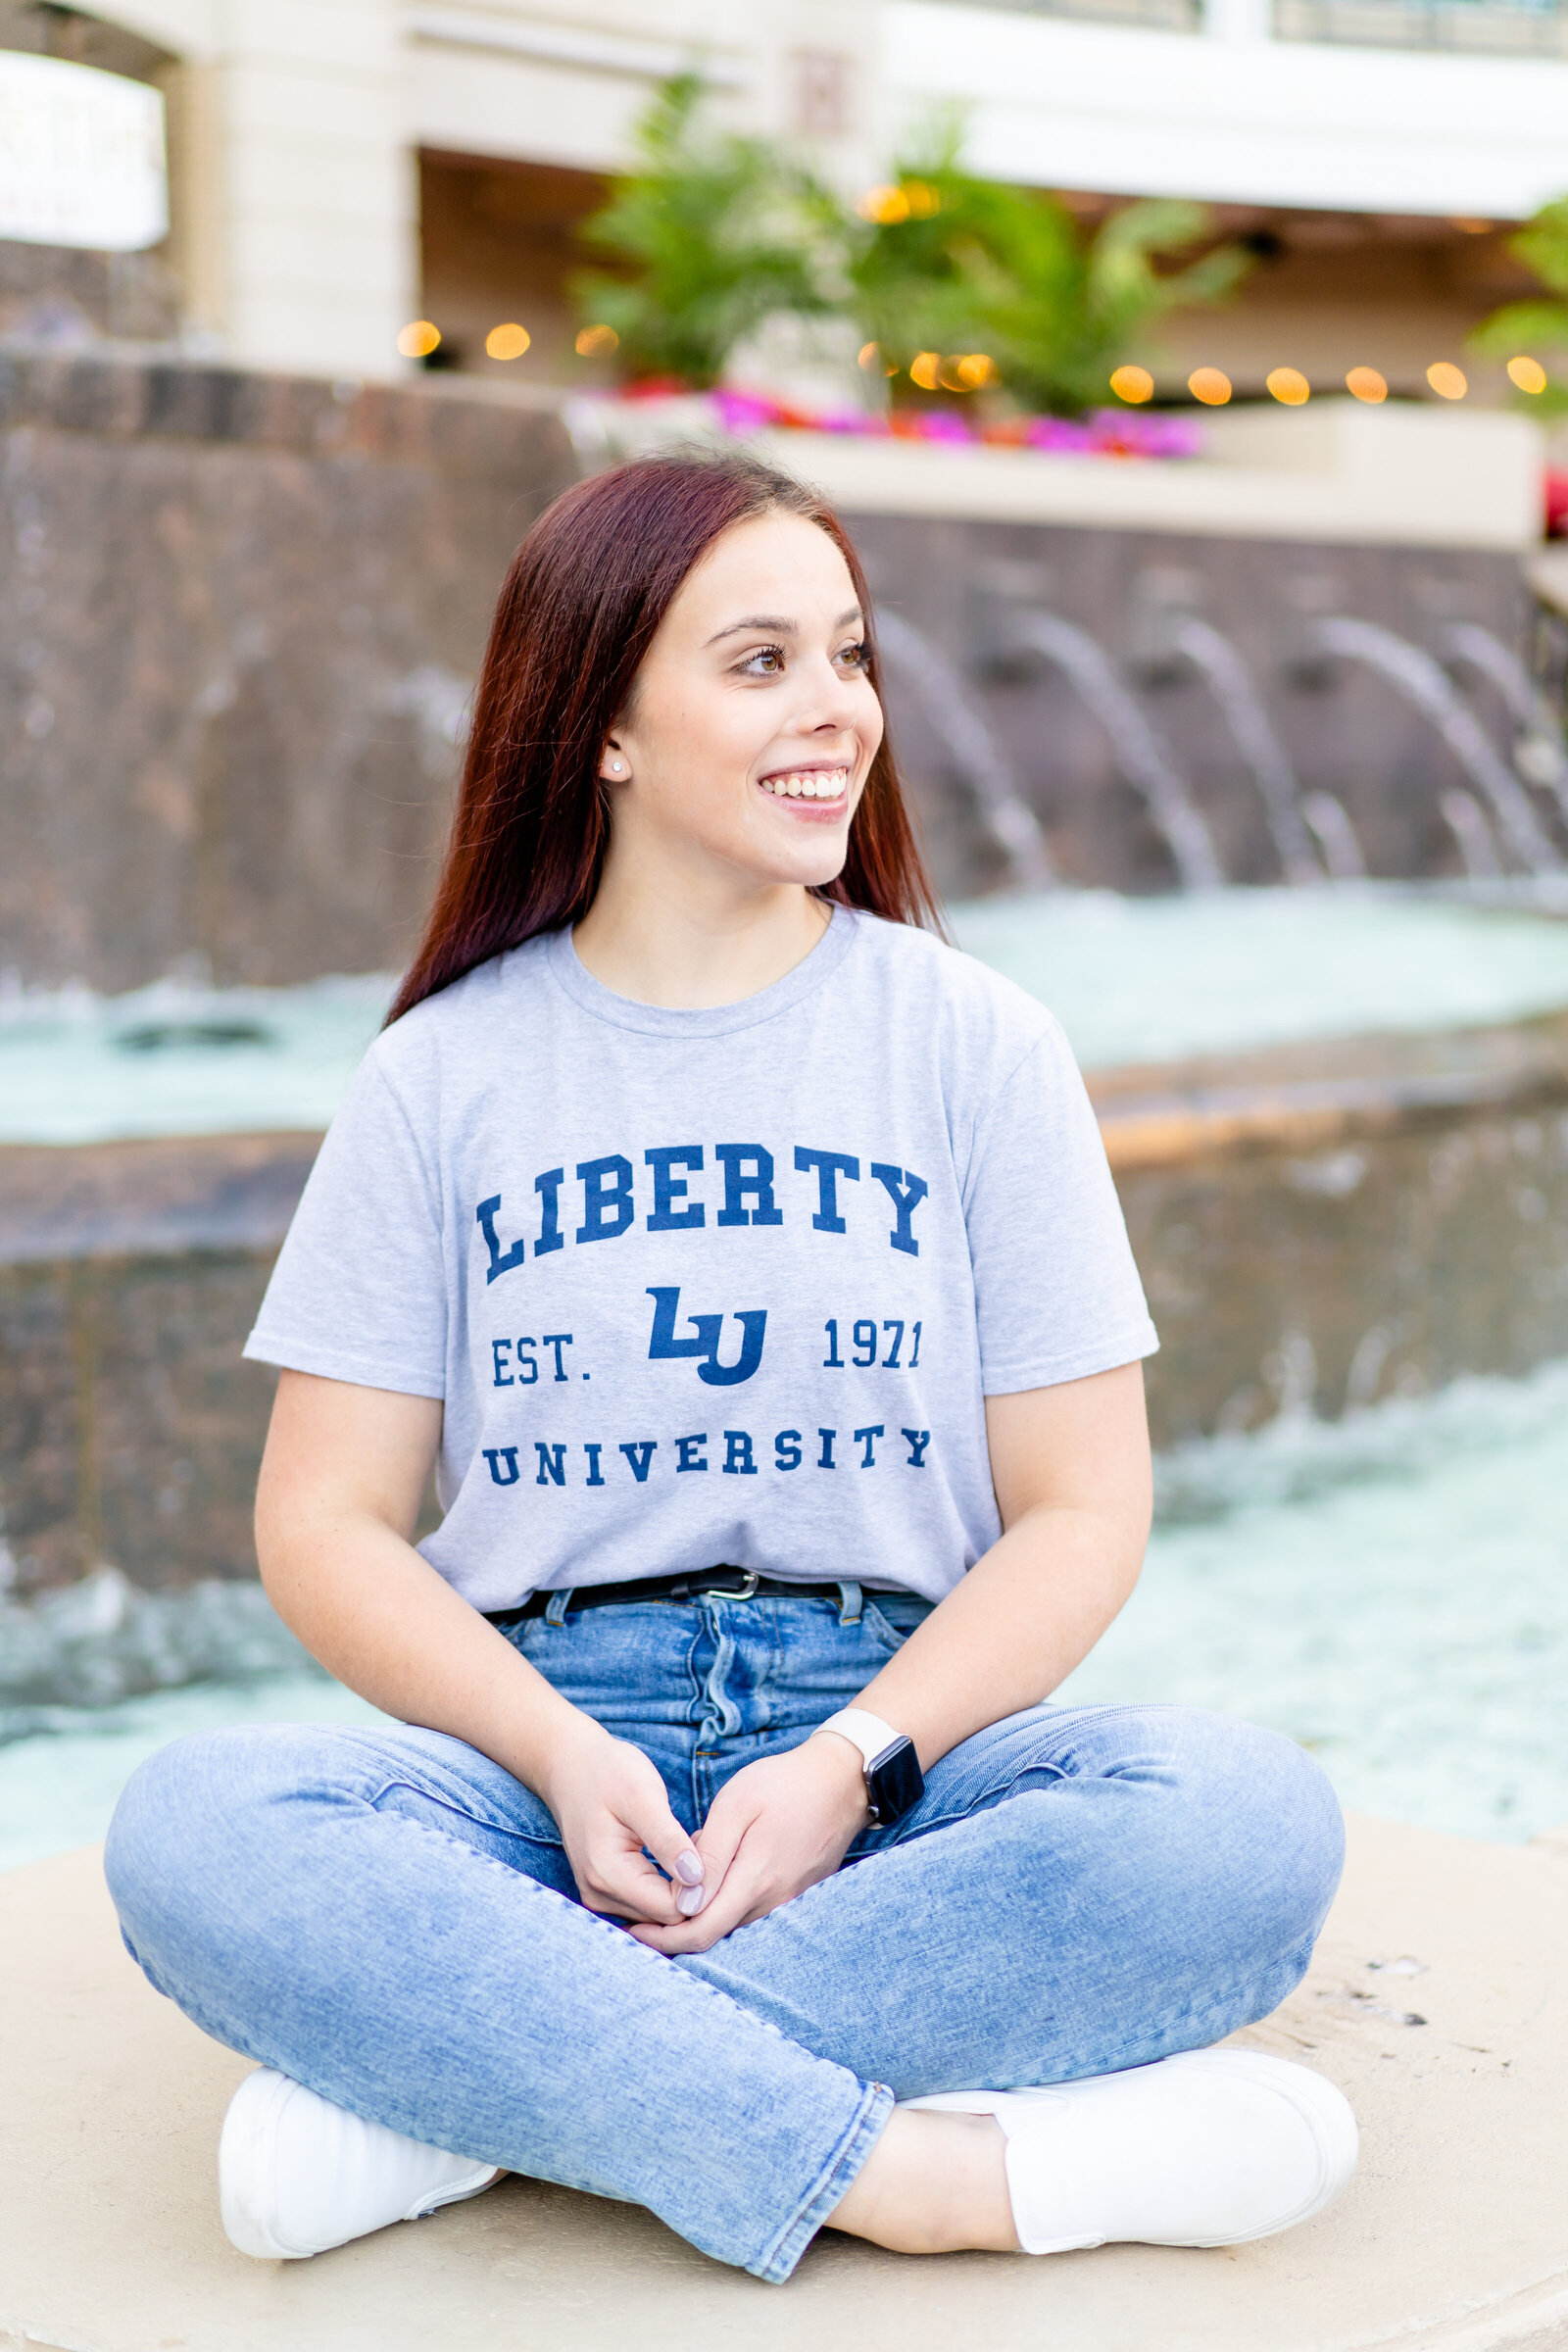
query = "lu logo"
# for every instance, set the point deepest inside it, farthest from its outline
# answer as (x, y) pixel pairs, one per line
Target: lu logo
(663, 1344)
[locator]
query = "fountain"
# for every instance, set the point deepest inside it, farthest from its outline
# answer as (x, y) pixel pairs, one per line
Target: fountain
(1424, 683)
(1088, 714)
(1236, 691)
(923, 672)
(1142, 758)
(1539, 754)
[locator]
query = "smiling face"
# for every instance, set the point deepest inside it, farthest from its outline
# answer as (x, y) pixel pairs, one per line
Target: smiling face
(753, 723)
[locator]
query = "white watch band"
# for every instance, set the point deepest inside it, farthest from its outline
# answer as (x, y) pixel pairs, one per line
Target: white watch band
(863, 1730)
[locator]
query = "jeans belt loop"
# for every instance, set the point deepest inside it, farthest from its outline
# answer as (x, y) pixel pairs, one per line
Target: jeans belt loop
(852, 1602)
(555, 1612)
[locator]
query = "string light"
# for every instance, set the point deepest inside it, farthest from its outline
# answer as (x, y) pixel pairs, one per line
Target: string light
(507, 342)
(975, 369)
(1527, 374)
(1209, 386)
(1288, 386)
(923, 369)
(1132, 384)
(418, 339)
(1365, 384)
(911, 200)
(1447, 381)
(597, 342)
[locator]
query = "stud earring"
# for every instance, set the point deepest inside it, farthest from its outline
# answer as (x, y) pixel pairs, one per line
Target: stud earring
(617, 768)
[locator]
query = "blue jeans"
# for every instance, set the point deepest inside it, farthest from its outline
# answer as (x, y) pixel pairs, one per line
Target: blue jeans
(389, 1917)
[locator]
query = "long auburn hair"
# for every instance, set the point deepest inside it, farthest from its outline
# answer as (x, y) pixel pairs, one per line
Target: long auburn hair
(586, 592)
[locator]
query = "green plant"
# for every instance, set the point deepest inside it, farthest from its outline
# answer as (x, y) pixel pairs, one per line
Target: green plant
(1539, 324)
(956, 263)
(713, 232)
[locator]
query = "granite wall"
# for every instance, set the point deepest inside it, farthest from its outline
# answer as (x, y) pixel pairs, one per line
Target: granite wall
(239, 620)
(1344, 730)
(1317, 1229)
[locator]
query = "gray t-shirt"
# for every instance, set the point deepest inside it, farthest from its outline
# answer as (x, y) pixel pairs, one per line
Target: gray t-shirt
(728, 1286)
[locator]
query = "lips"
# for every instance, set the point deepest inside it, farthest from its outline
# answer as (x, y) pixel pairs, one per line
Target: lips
(809, 784)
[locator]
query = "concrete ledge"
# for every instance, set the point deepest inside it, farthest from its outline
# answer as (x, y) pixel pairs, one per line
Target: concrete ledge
(1405, 475)
(1300, 1096)
(1438, 2000)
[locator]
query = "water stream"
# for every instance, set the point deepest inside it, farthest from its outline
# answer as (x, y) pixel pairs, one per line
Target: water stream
(935, 685)
(1234, 689)
(1141, 755)
(1424, 683)
(1540, 754)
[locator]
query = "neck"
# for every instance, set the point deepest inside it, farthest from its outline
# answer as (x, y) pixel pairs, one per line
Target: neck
(657, 939)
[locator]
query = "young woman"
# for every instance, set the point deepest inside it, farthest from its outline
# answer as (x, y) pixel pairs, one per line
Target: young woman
(746, 1260)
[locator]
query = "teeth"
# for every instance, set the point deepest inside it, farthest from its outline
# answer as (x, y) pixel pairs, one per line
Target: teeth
(818, 785)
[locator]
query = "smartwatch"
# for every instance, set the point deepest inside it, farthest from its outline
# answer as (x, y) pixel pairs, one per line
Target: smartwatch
(893, 1781)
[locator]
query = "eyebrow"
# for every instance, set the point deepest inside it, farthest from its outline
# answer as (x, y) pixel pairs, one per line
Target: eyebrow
(779, 627)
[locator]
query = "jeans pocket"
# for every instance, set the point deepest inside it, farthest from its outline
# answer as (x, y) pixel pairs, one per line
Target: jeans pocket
(890, 1621)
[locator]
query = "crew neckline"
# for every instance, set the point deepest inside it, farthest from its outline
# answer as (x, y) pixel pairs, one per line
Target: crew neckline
(568, 968)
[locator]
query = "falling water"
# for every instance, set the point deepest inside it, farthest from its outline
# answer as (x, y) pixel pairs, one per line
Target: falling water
(1424, 683)
(1466, 820)
(1141, 755)
(935, 684)
(1335, 836)
(1540, 755)
(1234, 689)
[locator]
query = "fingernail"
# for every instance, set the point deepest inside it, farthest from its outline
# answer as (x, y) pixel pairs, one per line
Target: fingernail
(690, 1901)
(689, 1867)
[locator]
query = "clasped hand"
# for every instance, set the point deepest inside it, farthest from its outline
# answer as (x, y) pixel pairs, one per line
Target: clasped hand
(779, 1827)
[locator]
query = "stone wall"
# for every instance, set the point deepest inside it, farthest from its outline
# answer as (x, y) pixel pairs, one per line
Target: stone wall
(238, 631)
(1316, 1229)
(1344, 730)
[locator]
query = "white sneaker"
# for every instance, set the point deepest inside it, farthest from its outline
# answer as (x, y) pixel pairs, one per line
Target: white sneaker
(1206, 2149)
(297, 2175)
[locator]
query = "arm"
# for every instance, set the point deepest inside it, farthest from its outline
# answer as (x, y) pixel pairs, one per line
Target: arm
(341, 1481)
(1071, 1470)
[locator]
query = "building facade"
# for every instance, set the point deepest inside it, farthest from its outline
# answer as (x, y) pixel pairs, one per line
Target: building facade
(341, 168)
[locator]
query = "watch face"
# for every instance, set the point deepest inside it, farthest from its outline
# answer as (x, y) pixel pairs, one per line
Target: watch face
(895, 1782)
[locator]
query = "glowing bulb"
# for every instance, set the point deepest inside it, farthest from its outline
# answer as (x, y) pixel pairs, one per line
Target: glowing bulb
(418, 339)
(975, 368)
(507, 342)
(1366, 384)
(885, 204)
(1209, 386)
(1447, 381)
(1527, 374)
(1132, 384)
(597, 342)
(923, 369)
(1289, 385)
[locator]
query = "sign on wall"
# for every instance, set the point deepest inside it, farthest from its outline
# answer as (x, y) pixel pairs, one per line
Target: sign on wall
(81, 157)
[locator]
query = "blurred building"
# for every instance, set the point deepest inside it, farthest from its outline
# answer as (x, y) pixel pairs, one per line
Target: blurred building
(340, 167)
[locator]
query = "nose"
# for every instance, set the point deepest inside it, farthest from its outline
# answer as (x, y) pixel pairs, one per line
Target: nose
(832, 704)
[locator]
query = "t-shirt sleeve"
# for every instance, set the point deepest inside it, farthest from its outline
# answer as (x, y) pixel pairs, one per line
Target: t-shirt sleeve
(1057, 1293)
(359, 1290)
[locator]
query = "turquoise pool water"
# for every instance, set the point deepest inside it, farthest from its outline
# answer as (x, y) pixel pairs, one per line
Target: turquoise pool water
(1391, 1591)
(1131, 979)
